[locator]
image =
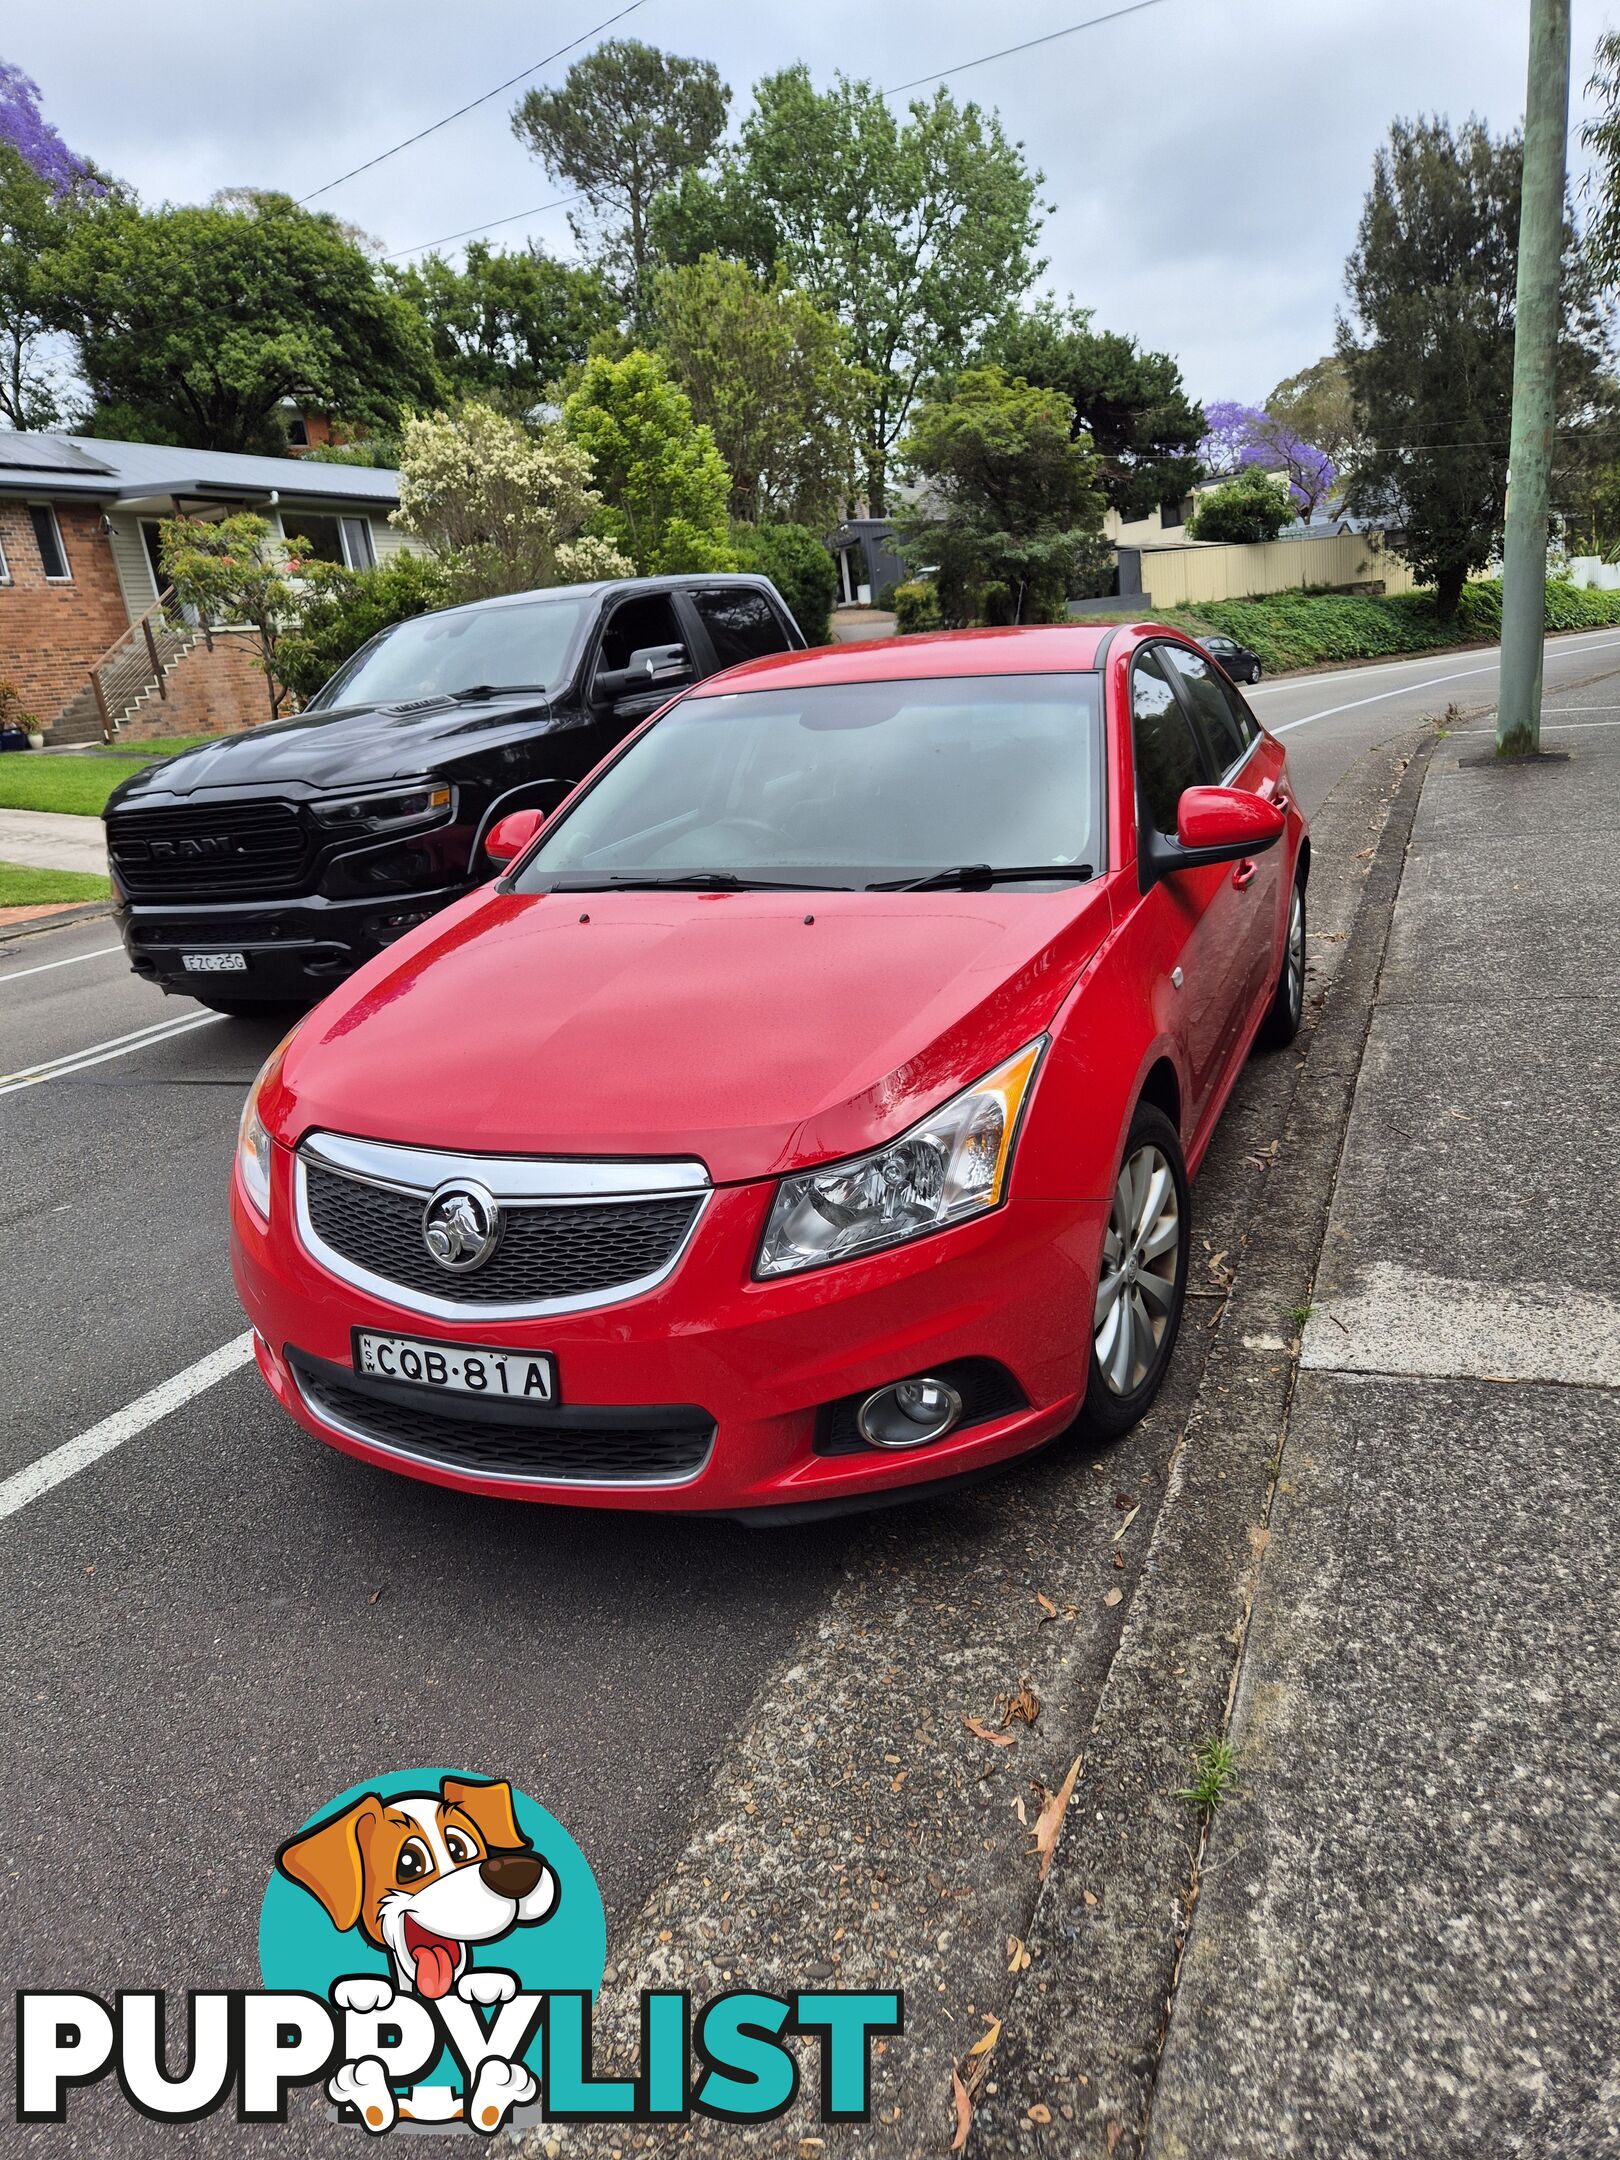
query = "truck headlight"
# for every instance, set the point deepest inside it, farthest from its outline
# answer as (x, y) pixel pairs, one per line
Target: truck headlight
(950, 1167)
(399, 809)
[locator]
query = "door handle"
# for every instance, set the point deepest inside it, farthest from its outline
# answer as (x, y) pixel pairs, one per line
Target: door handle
(1244, 874)
(1278, 795)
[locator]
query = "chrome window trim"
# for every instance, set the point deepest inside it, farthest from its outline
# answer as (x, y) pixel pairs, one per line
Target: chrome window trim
(329, 1418)
(530, 1181)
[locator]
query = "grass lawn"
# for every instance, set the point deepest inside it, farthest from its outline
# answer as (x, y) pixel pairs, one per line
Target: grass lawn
(79, 785)
(21, 887)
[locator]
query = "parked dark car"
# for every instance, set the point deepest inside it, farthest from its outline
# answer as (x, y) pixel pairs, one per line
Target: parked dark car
(261, 869)
(1240, 664)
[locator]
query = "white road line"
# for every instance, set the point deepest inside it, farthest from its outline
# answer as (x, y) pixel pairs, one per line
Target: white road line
(1379, 697)
(1550, 725)
(78, 1454)
(1582, 641)
(73, 1061)
(73, 960)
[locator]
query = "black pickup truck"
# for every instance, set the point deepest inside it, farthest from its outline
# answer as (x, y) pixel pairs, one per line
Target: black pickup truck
(260, 869)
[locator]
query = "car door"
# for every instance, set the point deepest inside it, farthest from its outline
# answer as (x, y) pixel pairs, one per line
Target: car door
(1233, 742)
(739, 623)
(1179, 917)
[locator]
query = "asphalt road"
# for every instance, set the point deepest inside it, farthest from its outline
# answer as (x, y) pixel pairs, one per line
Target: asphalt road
(216, 1624)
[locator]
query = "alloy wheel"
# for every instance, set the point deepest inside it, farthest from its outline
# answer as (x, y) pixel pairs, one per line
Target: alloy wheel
(1141, 1260)
(1295, 962)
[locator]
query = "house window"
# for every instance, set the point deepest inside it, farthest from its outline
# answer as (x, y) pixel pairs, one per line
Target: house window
(52, 554)
(297, 431)
(5, 567)
(342, 540)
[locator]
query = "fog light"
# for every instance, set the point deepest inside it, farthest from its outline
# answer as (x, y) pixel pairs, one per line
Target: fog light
(909, 1414)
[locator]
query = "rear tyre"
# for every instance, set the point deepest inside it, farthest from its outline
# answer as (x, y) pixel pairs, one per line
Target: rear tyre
(1287, 1007)
(1141, 1281)
(248, 1008)
(1254, 673)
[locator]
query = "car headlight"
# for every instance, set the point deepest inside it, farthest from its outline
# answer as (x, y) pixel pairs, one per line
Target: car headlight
(394, 812)
(253, 1144)
(950, 1167)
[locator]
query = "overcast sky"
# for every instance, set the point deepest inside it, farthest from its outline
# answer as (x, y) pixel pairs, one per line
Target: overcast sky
(1207, 159)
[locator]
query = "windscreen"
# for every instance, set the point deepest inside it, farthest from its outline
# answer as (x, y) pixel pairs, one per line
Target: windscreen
(846, 784)
(521, 646)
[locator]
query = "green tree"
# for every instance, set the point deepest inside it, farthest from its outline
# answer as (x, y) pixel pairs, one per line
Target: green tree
(192, 325)
(800, 568)
(35, 218)
(768, 374)
(664, 484)
(918, 233)
(238, 570)
(347, 607)
(1132, 404)
(506, 509)
(1252, 505)
(627, 122)
(1428, 345)
(1316, 404)
(506, 325)
(1014, 508)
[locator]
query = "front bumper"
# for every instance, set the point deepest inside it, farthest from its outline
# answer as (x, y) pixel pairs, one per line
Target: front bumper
(296, 949)
(735, 1377)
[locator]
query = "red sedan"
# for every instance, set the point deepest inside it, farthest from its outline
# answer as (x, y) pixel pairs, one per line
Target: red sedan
(807, 1112)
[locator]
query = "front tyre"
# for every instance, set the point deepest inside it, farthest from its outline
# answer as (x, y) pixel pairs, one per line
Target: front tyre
(1287, 1007)
(1142, 1279)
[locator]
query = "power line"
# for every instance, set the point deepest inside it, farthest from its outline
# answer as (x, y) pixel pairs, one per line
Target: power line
(1028, 45)
(444, 239)
(961, 68)
(472, 106)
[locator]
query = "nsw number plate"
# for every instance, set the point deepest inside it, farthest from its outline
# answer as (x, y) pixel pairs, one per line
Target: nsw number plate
(458, 1368)
(214, 963)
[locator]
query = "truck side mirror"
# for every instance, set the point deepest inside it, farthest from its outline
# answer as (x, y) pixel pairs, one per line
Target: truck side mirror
(652, 667)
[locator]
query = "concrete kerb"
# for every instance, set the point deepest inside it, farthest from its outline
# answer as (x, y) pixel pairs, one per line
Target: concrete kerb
(1074, 2067)
(58, 919)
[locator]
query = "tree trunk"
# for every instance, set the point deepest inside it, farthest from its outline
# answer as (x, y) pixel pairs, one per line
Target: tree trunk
(1448, 585)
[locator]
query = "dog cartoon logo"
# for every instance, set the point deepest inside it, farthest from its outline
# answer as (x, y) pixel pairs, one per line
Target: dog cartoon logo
(425, 1876)
(434, 1890)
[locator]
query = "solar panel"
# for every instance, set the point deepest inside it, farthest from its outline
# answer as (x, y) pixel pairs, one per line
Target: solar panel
(46, 453)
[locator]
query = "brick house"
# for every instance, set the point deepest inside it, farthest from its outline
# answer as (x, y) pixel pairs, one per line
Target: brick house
(79, 580)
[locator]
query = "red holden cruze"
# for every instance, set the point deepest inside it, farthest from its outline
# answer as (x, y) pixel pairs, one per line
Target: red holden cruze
(807, 1112)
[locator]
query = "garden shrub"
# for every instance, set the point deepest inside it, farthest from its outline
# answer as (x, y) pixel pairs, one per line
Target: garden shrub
(349, 607)
(916, 606)
(800, 568)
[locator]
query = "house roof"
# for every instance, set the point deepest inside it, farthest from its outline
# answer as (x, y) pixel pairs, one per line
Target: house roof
(66, 466)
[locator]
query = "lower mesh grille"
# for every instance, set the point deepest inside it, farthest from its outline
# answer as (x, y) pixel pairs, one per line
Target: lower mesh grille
(639, 1446)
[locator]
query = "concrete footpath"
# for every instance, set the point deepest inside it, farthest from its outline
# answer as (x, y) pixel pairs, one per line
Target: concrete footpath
(51, 840)
(1406, 1938)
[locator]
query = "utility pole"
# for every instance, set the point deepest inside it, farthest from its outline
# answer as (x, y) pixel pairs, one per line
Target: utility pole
(1535, 359)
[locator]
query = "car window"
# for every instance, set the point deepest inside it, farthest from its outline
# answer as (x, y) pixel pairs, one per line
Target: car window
(648, 619)
(742, 625)
(1225, 721)
(846, 784)
(511, 643)
(1168, 759)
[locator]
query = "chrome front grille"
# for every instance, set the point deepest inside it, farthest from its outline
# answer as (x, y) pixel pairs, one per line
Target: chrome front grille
(571, 1234)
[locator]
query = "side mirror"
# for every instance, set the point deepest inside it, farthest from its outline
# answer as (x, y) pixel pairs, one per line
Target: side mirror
(651, 667)
(509, 836)
(1213, 825)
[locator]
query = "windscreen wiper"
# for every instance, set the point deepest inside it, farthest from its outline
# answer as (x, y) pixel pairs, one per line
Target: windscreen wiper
(979, 876)
(496, 689)
(696, 881)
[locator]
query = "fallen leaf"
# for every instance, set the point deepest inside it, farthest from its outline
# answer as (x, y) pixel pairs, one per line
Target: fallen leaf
(1112, 1597)
(1500, 1379)
(1046, 1605)
(1051, 1818)
(1019, 1809)
(986, 2041)
(1119, 1559)
(1017, 1955)
(1090, 1896)
(896, 1782)
(981, 1731)
(1020, 1709)
(1114, 2130)
(1040, 2113)
(1126, 1524)
(964, 2112)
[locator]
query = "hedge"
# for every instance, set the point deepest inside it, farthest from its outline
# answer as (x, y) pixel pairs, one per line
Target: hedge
(1306, 629)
